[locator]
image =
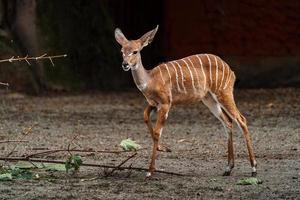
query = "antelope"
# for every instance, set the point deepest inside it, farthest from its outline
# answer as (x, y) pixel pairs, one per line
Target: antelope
(201, 77)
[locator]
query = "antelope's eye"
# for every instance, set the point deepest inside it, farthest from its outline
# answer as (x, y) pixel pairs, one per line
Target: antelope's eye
(135, 52)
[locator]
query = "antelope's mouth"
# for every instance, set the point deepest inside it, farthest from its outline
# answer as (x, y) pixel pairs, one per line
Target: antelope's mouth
(126, 68)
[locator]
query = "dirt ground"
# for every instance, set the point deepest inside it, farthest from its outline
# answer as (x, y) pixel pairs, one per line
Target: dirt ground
(197, 140)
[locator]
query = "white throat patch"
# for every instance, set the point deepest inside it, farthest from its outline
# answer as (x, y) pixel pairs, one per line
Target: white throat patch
(142, 87)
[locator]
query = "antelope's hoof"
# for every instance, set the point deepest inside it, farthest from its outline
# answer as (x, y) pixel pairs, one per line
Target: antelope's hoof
(163, 148)
(253, 174)
(227, 173)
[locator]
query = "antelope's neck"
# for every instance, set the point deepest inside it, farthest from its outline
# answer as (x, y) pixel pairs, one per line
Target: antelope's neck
(140, 76)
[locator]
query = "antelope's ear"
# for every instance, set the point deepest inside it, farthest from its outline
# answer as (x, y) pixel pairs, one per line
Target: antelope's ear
(148, 37)
(121, 39)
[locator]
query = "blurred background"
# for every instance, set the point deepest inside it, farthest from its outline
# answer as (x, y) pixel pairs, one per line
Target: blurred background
(259, 39)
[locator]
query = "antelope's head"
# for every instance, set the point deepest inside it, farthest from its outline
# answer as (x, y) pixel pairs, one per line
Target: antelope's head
(131, 48)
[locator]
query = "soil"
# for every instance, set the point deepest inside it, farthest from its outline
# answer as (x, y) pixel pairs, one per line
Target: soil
(195, 136)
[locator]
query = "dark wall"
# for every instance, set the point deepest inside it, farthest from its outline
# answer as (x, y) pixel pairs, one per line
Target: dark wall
(259, 39)
(237, 28)
(135, 18)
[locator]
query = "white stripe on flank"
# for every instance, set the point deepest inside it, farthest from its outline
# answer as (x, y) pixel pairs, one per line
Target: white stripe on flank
(182, 78)
(210, 75)
(222, 74)
(217, 69)
(202, 71)
(197, 75)
(162, 78)
(166, 66)
(192, 78)
(178, 88)
(228, 78)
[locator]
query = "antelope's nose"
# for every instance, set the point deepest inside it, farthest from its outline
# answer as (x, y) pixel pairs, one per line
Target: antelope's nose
(124, 64)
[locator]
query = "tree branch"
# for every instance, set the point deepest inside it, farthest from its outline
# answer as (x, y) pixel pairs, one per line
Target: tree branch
(27, 58)
(87, 165)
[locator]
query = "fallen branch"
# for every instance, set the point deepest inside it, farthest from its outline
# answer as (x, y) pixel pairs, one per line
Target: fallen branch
(47, 152)
(27, 58)
(86, 164)
(10, 141)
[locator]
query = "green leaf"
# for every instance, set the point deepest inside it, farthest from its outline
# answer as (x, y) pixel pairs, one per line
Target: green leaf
(18, 173)
(129, 145)
(249, 181)
(73, 162)
(6, 177)
(24, 165)
(68, 164)
(55, 167)
(77, 162)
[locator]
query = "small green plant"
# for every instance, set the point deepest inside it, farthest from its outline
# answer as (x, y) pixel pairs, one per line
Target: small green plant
(5, 177)
(73, 162)
(8, 174)
(24, 170)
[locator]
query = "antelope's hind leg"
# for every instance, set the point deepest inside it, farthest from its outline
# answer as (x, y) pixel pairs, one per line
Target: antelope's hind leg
(226, 121)
(228, 104)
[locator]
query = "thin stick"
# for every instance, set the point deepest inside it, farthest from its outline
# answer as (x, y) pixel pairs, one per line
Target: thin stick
(27, 59)
(10, 141)
(86, 164)
(122, 163)
(25, 133)
(69, 145)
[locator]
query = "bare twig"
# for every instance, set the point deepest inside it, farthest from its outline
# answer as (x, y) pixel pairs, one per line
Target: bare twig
(27, 58)
(28, 130)
(69, 145)
(122, 163)
(87, 165)
(25, 133)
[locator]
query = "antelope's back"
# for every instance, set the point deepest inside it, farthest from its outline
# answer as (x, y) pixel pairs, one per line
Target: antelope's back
(193, 76)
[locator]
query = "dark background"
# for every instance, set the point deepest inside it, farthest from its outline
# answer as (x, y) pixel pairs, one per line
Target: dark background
(259, 39)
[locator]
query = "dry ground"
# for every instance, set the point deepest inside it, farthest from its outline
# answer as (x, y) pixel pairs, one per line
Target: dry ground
(196, 138)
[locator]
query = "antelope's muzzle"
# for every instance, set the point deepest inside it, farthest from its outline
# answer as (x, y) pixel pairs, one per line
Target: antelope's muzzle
(125, 66)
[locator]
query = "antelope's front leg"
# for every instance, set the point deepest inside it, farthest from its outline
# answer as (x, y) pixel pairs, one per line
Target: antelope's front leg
(147, 119)
(162, 114)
